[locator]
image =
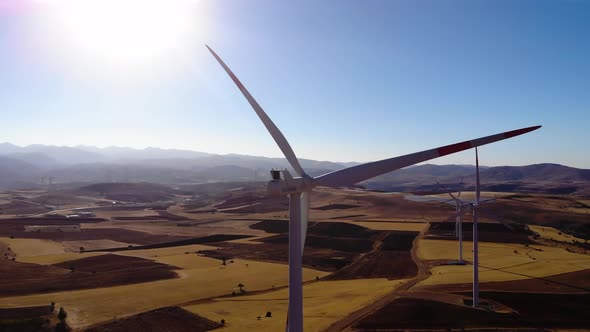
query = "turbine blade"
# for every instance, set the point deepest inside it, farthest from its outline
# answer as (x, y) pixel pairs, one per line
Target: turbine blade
(304, 217)
(354, 174)
(270, 126)
(461, 185)
(447, 191)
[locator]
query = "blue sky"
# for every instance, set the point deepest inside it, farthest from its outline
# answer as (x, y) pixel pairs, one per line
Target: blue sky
(343, 80)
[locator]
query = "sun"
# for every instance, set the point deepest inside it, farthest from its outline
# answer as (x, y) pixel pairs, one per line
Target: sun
(122, 34)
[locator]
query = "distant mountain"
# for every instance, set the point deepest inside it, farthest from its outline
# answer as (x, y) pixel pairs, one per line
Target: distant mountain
(17, 173)
(60, 154)
(538, 172)
(114, 153)
(6, 148)
(25, 166)
(40, 160)
(227, 173)
(39, 154)
(547, 178)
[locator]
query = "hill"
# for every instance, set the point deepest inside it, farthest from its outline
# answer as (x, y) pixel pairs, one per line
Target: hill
(131, 192)
(24, 166)
(541, 178)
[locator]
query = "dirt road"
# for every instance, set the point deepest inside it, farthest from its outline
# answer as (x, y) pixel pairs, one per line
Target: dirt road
(423, 273)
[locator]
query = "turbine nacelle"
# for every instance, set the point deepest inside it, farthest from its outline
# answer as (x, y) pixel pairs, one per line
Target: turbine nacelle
(283, 183)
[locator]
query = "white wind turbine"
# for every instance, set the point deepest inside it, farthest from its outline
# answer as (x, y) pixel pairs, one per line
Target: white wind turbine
(459, 210)
(298, 189)
(458, 226)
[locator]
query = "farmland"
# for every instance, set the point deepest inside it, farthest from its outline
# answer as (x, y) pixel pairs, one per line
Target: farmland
(367, 255)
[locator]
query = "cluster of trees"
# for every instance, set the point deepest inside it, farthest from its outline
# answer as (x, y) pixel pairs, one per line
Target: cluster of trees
(62, 326)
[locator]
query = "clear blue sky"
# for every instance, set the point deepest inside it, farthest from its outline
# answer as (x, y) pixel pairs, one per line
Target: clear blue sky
(343, 80)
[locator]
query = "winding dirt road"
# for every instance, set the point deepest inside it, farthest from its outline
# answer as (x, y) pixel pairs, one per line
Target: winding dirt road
(423, 273)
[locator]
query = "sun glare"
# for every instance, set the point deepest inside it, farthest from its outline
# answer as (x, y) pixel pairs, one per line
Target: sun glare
(122, 34)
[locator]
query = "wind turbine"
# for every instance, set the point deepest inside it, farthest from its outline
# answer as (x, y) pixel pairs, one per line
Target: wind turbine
(459, 210)
(298, 189)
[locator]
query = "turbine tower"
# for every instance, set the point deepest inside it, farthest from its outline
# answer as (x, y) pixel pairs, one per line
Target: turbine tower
(475, 244)
(298, 189)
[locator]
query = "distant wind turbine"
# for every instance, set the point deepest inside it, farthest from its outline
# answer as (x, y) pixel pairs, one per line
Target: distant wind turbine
(298, 189)
(459, 210)
(459, 230)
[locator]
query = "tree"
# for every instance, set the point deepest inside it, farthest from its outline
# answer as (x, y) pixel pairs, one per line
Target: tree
(62, 314)
(81, 249)
(241, 286)
(268, 314)
(222, 321)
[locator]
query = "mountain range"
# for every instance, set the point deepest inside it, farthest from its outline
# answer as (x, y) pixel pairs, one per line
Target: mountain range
(34, 165)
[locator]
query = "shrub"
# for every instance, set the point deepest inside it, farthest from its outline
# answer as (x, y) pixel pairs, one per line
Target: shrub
(62, 314)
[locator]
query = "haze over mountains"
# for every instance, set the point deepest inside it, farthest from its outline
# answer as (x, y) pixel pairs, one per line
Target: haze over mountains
(33, 165)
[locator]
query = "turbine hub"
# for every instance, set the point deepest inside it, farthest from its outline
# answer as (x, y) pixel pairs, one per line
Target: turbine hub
(283, 183)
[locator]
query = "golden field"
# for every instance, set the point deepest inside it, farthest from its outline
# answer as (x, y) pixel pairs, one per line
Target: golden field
(554, 234)
(202, 278)
(325, 302)
(498, 261)
(32, 247)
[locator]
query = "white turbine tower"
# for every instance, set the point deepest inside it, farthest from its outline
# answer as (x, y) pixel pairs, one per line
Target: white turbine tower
(475, 246)
(459, 210)
(298, 189)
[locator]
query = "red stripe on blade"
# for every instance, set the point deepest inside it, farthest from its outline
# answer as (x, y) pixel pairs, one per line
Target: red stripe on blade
(445, 150)
(517, 132)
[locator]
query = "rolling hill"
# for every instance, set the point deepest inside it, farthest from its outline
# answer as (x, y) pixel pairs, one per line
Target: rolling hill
(25, 166)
